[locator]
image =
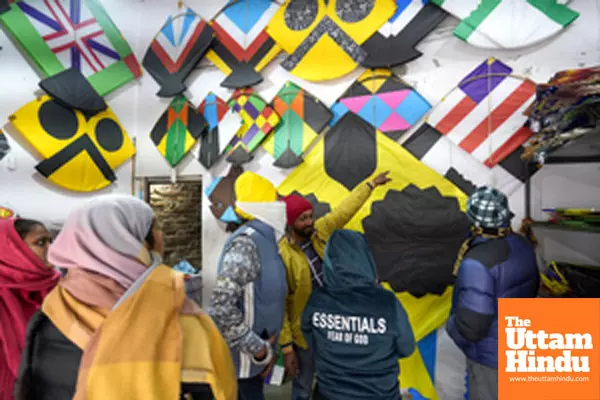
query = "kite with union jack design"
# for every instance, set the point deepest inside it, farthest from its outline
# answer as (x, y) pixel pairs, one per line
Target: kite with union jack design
(175, 51)
(62, 34)
(485, 115)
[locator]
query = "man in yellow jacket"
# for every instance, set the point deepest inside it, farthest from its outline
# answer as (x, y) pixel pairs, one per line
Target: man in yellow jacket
(302, 253)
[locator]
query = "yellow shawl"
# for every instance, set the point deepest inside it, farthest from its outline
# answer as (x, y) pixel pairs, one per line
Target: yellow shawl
(147, 346)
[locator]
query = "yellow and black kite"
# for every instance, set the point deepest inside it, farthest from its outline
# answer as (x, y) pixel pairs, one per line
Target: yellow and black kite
(323, 39)
(79, 138)
(354, 151)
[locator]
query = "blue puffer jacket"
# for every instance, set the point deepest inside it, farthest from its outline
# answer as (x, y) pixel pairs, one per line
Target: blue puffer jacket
(357, 329)
(491, 269)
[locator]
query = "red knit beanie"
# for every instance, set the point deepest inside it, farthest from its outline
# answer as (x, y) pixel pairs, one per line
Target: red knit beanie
(295, 205)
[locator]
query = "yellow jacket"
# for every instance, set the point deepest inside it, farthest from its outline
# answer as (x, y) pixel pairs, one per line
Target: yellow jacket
(298, 270)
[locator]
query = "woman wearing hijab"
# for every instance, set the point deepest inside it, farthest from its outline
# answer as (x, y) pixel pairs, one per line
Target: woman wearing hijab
(118, 325)
(25, 279)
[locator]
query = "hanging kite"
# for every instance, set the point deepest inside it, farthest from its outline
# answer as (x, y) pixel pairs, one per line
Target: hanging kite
(504, 24)
(223, 124)
(485, 115)
(394, 43)
(323, 39)
(352, 152)
(79, 35)
(243, 47)
(4, 146)
(221, 194)
(383, 100)
(177, 130)
(81, 144)
(259, 121)
(175, 51)
(303, 117)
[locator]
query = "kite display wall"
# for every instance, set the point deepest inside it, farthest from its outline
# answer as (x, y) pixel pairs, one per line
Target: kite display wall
(445, 61)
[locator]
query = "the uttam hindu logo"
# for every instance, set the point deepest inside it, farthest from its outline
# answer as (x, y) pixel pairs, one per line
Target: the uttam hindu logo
(548, 349)
(523, 343)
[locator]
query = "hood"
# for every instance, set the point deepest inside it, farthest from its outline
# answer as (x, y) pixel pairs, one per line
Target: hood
(348, 261)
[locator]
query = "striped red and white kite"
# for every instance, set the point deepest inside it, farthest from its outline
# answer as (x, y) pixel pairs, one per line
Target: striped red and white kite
(484, 116)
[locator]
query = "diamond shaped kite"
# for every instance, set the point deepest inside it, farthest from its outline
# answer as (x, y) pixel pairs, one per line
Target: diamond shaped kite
(223, 124)
(303, 117)
(259, 121)
(4, 146)
(59, 35)
(177, 130)
(384, 101)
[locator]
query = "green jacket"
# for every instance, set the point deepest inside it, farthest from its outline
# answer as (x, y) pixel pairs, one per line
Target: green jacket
(298, 270)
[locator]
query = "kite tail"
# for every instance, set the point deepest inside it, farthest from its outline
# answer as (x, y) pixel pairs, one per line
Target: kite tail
(171, 87)
(243, 75)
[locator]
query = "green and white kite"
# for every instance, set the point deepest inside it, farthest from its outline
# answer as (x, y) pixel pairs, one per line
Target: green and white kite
(508, 24)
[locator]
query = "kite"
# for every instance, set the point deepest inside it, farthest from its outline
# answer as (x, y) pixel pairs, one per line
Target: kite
(221, 194)
(394, 43)
(485, 115)
(352, 152)
(303, 117)
(383, 100)
(259, 121)
(79, 151)
(323, 39)
(223, 124)
(4, 146)
(503, 24)
(70, 89)
(243, 47)
(79, 36)
(177, 48)
(177, 130)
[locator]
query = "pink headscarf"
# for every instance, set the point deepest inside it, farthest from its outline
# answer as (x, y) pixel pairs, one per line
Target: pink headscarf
(24, 282)
(106, 237)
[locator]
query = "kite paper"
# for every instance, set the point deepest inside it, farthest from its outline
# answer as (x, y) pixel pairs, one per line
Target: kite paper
(394, 43)
(176, 50)
(223, 124)
(383, 100)
(243, 47)
(221, 194)
(355, 146)
(303, 117)
(504, 24)
(259, 121)
(81, 35)
(323, 39)
(484, 115)
(4, 146)
(5, 5)
(6, 213)
(177, 130)
(72, 90)
(79, 151)
(400, 237)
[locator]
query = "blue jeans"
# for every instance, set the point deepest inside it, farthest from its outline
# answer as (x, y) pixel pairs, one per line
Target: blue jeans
(302, 386)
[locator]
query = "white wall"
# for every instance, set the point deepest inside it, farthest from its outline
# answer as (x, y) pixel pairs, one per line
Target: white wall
(445, 61)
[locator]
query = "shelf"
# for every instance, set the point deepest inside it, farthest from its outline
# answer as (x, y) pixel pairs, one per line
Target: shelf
(585, 149)
(549, 225)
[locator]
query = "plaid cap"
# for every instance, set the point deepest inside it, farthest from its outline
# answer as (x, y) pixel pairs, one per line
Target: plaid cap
(488, 208)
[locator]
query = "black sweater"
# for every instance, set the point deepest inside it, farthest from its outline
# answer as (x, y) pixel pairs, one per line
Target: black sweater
(50, 365)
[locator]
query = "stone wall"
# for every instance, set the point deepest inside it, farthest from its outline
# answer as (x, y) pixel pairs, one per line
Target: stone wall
(179, 210)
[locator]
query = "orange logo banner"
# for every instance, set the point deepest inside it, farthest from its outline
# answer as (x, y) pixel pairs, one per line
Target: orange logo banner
(549, 349)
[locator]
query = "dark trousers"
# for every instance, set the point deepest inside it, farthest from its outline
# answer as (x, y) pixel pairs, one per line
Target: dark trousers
(317, 395)
(251, 388)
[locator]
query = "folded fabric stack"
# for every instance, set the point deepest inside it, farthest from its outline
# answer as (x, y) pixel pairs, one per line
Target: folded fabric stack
(575, 217)
(565, 108)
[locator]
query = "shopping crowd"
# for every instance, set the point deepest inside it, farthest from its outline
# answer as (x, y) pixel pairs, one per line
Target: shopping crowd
(119, 324)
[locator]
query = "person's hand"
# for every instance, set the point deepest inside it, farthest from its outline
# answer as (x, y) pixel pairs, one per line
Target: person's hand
(291, 364)
(268, 368)
(262, 353)
(381, 179)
